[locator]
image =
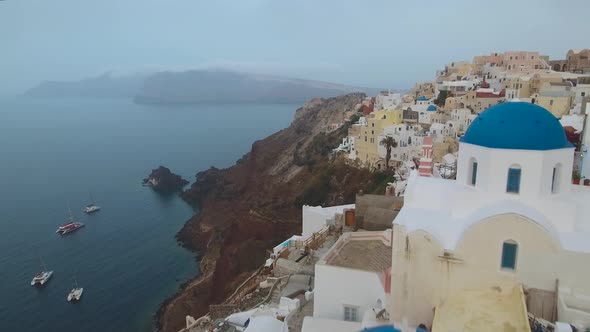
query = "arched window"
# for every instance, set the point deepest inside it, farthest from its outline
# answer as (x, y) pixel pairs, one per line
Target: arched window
(513, 181)
(472, 179)
(556, 178)
(509, 254)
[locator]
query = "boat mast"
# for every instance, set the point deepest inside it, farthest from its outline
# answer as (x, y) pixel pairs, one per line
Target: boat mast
(70, 213)
(42, 264)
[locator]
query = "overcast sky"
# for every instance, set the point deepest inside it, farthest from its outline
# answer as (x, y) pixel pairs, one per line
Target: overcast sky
(373, 43)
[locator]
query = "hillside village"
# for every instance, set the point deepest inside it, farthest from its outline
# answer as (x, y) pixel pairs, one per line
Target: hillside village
(483, 226)
(444, 108)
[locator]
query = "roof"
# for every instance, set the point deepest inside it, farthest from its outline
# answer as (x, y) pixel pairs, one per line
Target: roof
(489, 94)
(482, 310)
(354, 255)
(431, 108)
(422, 98)
(265, 324)
(517, 126)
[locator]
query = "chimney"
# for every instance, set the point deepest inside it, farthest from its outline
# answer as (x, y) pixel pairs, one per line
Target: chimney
(425, 167)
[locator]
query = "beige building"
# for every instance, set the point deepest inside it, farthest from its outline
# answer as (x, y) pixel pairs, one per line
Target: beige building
(576, 61)
(477, 101)
(519, 87)
(479, 61)
(524, 62)
(558, 98)
(538, 80)
(425, 89)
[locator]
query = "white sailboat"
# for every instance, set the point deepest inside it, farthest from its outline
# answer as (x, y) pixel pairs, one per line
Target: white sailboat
(43, 276)
(92, 207)
(70, 226)
(76, 292)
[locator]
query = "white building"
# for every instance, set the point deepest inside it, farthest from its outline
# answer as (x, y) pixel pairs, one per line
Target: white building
(386, 100)
(409, 139)
(424, 112)
(458, 86)
(461, 118)
(352, 282)
(316, 217)
(462, 248)
(580, 91)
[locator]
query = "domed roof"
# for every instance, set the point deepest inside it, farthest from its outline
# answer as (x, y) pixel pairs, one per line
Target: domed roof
(517, 125)
(422, 98)
(431, 108)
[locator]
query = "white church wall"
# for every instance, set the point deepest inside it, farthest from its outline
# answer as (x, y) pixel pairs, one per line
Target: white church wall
(422, 279)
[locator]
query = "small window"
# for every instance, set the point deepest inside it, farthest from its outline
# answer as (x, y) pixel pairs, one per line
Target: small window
(351, 313)
(473, 178)
(583, 94)
(509, 252)
(513, 182)
(551, 102)
(556, 179)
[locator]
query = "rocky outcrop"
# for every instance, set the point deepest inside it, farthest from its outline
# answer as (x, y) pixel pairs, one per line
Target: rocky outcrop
(163, 180)
(255, 204)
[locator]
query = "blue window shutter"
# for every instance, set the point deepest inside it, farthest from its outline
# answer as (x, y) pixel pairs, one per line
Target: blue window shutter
(509, 255)
(513, 183)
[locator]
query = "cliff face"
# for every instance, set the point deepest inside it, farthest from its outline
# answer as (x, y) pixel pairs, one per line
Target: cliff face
(255, 204)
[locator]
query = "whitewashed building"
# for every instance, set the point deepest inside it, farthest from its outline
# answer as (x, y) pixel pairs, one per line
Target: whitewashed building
(386, 100)
(461, 118)
(352, 282)
(409, 139)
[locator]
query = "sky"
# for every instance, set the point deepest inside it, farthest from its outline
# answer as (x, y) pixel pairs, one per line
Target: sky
(369, 43)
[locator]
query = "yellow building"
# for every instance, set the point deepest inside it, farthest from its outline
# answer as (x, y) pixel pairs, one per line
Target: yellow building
(557, 97)
(540, 79)
(519, 87)
(367, 144)
(557, 105)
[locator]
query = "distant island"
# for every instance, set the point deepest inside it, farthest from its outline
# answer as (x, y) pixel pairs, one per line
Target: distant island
(206, 86)
(196, 86)
(103, 86)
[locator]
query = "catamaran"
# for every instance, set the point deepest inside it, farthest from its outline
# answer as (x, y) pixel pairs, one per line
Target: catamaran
(92, 207)
(71, 226)
(76, 292)
(42, 277)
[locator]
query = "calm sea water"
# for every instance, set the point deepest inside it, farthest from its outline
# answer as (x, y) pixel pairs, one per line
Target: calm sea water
(54, 152)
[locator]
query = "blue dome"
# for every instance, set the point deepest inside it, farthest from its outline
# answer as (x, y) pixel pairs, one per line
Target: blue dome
(431, 108)
(422, 98)
(517, 125)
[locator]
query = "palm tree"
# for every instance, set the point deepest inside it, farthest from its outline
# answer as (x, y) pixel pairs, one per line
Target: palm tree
(389, 143)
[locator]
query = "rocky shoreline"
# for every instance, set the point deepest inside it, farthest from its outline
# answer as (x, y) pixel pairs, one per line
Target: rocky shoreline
(250, 207)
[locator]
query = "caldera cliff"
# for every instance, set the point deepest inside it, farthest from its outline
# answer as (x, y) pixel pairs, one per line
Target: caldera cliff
(254, 205)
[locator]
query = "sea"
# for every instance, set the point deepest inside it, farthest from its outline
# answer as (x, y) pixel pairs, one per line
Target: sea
(58, 152)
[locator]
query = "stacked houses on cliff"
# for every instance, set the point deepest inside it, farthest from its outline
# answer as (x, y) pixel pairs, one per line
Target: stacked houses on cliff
(445, 107)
